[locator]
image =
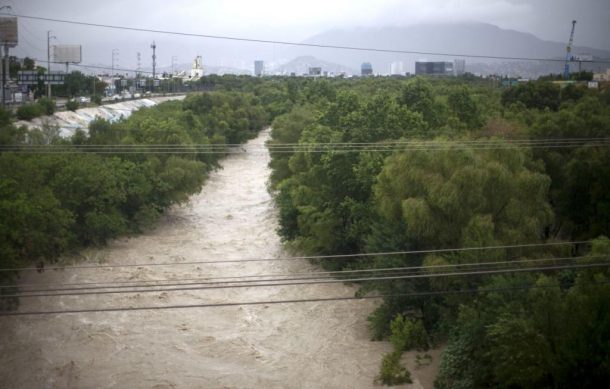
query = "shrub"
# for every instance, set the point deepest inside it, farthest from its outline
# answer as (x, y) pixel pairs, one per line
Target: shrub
(408, 334)
(29, 111)
(48, 105)
(72, 105)
(392, 372)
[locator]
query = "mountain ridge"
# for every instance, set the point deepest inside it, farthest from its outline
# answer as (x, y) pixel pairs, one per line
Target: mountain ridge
(459, 39)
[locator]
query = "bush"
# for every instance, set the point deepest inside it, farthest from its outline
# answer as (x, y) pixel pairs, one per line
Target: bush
(72, 105)
(48, 105)
(29, 111)
(408, 334)
(392, 372)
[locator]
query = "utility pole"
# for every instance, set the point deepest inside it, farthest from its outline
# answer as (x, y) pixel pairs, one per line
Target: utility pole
(115, 56)
(139, 64)
(154, 58)
(49, 37)
(5, 69)
(5, 65)
(174, 58)
(139, 58)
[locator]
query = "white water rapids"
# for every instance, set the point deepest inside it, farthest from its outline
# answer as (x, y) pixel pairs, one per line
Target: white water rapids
(299, 345)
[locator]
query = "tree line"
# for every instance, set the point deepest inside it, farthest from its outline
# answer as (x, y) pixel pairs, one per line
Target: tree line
(543, 329)
(514, 330)
(53, 204)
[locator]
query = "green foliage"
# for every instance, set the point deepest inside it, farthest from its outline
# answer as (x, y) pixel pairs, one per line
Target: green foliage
(43, 106)
(29, 111)
(72, 105)
(538, 95)
(450, 195)
(408, 334)
(457, 197)
(48, 105)
(52, 203)
(79, 84)
(392, 372)
(462, 103)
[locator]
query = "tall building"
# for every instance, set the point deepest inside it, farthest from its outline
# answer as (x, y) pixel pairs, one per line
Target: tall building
(397, 68)
(366, 69)
(459, 66)
(259, 68)
(197, 69)
(434, 68)
(315, 71)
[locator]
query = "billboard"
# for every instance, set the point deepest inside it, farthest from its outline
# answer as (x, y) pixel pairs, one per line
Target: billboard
(8, 31)
(583, 57)
(68, 53)
(32, 77)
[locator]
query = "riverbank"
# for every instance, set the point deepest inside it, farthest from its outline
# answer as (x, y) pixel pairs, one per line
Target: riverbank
(67, 122)
(307, 345)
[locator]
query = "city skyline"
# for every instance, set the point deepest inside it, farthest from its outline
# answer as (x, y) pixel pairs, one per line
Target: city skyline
(270, 20)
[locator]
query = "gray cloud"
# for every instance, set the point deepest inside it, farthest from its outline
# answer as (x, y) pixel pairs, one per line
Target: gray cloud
(283, 20)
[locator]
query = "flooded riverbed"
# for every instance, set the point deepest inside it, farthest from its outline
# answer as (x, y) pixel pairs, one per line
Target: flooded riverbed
(300, 345)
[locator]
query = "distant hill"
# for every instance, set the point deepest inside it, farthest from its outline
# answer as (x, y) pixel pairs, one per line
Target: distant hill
(454, 38)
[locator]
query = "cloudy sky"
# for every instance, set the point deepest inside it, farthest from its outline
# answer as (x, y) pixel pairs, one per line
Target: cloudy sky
(279, 20)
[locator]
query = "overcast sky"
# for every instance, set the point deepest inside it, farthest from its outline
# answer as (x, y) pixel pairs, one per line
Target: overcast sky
(281, 20)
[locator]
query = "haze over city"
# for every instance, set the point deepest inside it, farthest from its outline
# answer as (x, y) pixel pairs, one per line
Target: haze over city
(284, 21)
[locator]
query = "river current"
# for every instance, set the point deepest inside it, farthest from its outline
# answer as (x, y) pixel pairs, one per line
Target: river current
(293, 345)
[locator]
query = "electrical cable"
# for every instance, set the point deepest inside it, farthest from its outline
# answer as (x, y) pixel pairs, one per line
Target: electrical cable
(293, 301)
(309, 257)
(194, 149)
(287, 43)
(315, 282)
(103, 67)
(276, 276)
(291, 146)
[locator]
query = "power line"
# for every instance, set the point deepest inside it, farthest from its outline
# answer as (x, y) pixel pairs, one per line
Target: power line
(306, 145)
(309, 257)
(92, 66)
(320, 148)
(294, 301)
(298, 281)
(287, 43)
(314, 282)
(276, 276)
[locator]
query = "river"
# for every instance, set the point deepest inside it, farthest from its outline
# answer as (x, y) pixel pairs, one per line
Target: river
(298, 345)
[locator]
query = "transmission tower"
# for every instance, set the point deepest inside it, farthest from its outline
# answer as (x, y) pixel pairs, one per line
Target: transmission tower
(154, 57)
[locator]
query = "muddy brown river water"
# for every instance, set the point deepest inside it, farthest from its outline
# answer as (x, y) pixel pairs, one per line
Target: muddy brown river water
(300, 345)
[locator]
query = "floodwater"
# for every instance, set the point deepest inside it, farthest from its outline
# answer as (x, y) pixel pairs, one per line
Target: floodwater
(292, 345)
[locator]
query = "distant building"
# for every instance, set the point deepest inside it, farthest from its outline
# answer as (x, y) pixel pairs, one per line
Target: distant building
(315, 71)
(397, 68)
(459, 66)
(366, 69)
(602, 76)
(434, 68)
(259, 68)
(197, 69)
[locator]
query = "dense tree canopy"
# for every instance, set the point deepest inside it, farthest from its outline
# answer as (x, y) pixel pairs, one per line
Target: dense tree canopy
(448, 192)
(52, 203)
(378, 165)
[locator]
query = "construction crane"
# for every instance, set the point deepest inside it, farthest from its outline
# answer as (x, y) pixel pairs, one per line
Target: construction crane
(566, 68)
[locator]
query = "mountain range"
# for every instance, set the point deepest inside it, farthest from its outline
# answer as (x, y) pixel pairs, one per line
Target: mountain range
(459, 40)
(474, 42)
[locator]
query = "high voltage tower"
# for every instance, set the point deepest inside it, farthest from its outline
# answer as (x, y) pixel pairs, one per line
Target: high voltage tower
(154, 47)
